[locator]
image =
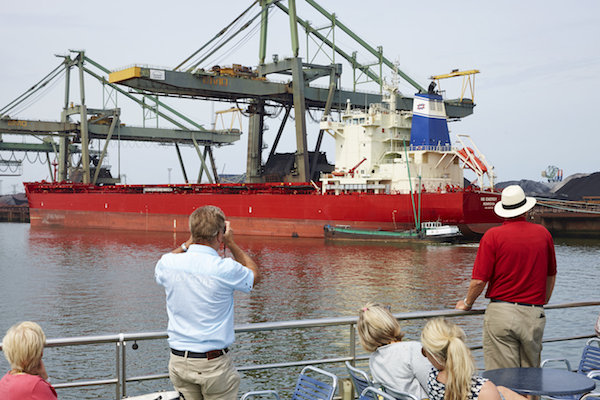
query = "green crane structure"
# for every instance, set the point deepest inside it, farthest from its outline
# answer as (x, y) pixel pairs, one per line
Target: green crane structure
(188, 80)
(104, 124)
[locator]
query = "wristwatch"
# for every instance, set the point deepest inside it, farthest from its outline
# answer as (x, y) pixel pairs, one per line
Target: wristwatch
(466, 303)
(184, 247)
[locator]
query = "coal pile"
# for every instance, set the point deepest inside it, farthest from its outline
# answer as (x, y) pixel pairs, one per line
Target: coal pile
(18, 199)
(575, 187)
(531, 188)
(578, 188)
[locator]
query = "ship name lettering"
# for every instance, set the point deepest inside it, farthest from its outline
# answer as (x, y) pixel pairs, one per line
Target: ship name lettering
(484, 199)
(16, 122)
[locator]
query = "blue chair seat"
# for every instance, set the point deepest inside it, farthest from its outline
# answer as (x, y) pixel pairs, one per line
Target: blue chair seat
(589, 365)
(360, 380)
(308, 387)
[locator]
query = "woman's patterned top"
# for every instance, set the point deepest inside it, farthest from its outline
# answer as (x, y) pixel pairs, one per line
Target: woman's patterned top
(437, 389)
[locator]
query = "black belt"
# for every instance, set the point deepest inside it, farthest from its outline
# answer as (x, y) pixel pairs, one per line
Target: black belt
(208, 355)
(516, 303)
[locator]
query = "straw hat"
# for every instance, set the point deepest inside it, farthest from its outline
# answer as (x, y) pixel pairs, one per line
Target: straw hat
(513, 202)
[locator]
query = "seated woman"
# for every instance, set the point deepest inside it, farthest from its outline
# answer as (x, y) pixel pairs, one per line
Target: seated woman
(453, 376)
(23, 347)
(395, 364)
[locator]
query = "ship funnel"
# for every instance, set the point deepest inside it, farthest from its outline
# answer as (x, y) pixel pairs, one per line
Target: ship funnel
(429, 124)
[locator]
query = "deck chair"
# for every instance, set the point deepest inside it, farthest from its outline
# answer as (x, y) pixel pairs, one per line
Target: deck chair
(172, 395)
(590, 360)
(371, 392)
(400, 395)
(360, 380)
(591, 396)
(307, 387)
(589, 364)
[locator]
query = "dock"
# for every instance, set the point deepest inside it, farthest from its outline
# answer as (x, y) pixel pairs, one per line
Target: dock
(576, 219)
(14, 213)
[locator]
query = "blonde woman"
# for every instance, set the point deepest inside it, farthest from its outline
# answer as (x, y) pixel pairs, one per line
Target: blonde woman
(395, 364)
(23, 347)
(453, 376)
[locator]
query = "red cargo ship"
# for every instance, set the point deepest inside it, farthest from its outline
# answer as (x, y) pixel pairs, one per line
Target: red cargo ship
(393, 170)
(255, 209)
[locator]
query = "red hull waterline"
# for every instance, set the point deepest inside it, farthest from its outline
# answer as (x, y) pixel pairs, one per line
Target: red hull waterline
(286, 210)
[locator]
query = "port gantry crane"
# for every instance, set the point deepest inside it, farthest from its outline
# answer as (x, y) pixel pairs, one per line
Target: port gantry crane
(100, 123)
(189, 80)
(236, 84)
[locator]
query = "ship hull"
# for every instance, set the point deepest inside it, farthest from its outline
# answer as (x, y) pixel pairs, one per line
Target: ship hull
(286, 214)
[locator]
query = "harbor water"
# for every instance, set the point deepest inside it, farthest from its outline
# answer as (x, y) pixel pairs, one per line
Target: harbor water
(93, 282)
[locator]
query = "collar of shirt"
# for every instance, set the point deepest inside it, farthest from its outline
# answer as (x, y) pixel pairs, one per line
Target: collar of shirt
(201, 248)
(520, 218)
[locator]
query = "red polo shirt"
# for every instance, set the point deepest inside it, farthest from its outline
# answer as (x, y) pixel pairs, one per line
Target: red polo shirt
(516, 259)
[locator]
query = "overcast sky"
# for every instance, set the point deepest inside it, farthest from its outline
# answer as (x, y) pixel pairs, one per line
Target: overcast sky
(536, 94)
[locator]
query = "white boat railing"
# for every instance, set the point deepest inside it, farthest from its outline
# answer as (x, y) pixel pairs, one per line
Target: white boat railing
(121, 379)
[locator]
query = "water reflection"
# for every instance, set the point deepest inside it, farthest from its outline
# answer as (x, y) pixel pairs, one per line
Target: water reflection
(91, 282)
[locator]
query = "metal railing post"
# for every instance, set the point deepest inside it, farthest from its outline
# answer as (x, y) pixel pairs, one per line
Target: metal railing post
(353, 344)
(118, 372)
(123, 369)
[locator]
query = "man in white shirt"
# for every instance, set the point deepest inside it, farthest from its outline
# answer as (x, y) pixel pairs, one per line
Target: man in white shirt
(199, 286)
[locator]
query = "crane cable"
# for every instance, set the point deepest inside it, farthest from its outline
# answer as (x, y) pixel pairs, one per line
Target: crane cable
(29, 92)
(6, 166)
(218, 35)
(245, 26)
(210, 50)
(42, 93)
(36, 158)
(240, 43)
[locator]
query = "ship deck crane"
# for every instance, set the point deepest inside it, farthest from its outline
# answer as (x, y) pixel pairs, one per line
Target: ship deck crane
(351, 170)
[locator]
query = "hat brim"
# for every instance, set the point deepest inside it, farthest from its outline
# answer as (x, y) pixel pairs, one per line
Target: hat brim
(504, 213)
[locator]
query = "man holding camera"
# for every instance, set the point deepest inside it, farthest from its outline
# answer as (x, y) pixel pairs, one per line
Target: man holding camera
(199, 286)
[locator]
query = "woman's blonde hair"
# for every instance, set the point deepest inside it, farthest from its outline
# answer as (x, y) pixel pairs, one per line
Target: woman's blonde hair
(444, 341)
(377, 327)
(23, 346)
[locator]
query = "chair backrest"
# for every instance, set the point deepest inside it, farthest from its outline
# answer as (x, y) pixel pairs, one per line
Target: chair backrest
(590, 359)
(371, 392)
(172, 395)
(400, 395)
(360, 379)
(591, 396)
(311, 388)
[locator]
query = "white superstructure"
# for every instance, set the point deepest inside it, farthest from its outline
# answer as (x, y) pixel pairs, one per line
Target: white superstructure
(373, 152)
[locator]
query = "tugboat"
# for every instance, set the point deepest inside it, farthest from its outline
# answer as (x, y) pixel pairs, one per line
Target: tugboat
(430, 232)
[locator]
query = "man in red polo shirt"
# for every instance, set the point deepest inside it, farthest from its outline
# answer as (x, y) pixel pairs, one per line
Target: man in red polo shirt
(517, 262)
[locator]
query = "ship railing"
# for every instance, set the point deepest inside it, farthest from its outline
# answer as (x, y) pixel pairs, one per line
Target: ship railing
(432, 148)
(121, 379)
(399, 149)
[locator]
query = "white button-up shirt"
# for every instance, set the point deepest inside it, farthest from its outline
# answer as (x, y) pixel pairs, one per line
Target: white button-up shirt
(199, 286)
